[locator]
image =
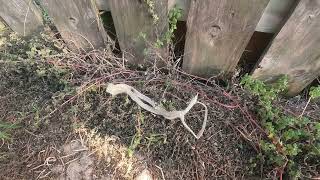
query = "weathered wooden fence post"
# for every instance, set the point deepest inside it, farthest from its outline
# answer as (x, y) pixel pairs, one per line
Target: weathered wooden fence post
(218, 32)
(2, 24)
(133, 18)
(22, 16)
(78, 22)
(296, 49)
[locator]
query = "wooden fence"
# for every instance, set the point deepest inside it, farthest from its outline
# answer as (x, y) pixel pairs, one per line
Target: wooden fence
(218, 31)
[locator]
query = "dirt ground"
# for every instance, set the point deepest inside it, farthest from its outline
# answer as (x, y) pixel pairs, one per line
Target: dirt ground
(70, 128)
(166, 147)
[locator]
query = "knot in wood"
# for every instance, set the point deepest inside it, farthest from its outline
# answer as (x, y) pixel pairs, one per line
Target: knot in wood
(73, 22)
(214, 31)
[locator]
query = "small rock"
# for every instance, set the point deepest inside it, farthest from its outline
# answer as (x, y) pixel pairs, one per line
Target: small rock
(144, 175)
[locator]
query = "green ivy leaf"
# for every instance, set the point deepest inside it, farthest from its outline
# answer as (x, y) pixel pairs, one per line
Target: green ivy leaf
(314, 92)
(317, 126)
(278, 160)
(285, 122)
(292, 134)
(292, 149)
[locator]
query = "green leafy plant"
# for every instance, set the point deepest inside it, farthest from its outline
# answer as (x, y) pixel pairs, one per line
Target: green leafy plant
(45, 16)
(137, 138)
(314, 92)
(173, 17)
(151, 139)
(156, 139)
(5, 130)
(135, 142)
(292, 141)
(151, 10)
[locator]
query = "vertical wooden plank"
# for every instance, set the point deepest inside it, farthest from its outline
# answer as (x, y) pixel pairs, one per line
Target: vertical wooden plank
(3, 33)
(296, 49)
(182, 4)
(78, 23)
(2, 25)
(270, 22)
(274, 15)
(131, 18)
(22, 16)
(103, 5)
(218, 32)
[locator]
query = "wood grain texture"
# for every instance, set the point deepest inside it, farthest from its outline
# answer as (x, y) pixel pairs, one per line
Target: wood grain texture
(182, 4)
(270, 22)
(22, 16)
(78, 23)
(295, 51)
(131, 18)
(103, 5)
(218, 32)
(2, 24)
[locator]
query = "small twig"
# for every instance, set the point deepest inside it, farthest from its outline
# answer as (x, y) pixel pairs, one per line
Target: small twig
(44, 176)
(71, 161)
(46, 163)
(161, 172)
(304, 109)
(38, 177)
(282, 169)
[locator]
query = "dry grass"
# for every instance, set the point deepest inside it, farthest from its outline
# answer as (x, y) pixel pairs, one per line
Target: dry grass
(60, 97)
